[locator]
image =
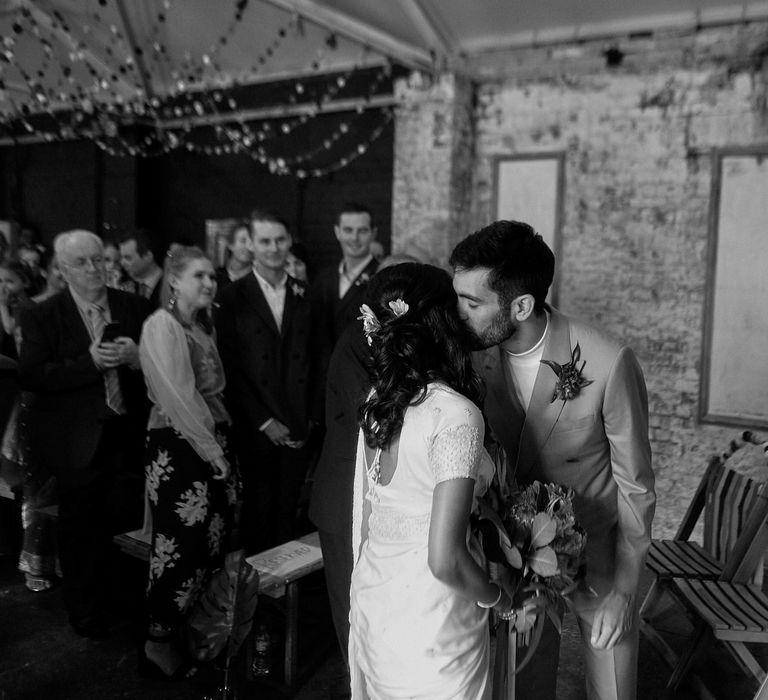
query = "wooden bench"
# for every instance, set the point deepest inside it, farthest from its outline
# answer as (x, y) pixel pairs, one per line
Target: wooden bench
(280, 570)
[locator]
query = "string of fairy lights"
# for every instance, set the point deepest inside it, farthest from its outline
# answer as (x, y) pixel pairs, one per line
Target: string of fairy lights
(54, 86)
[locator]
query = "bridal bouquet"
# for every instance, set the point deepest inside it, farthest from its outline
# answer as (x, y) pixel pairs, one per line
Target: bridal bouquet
(537, 552)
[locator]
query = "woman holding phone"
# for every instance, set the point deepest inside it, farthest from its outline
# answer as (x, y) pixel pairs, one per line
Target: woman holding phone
(191, 487)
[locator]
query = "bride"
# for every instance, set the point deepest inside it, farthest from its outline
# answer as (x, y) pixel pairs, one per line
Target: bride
(419, 594)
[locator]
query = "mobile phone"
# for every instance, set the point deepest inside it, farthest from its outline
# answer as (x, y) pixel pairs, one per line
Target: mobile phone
(111, 331)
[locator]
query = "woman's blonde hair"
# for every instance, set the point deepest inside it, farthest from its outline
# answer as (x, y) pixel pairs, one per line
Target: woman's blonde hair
(177, 259)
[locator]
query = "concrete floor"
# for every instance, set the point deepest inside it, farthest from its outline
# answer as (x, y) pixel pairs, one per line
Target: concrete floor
(42, 659)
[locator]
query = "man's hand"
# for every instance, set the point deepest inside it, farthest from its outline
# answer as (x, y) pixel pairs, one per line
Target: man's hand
(612, 620)
(278, 433)
(105, 355)
(127, 351)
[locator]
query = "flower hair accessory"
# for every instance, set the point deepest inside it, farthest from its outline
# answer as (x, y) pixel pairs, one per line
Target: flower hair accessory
(399, 307)
(370, 323)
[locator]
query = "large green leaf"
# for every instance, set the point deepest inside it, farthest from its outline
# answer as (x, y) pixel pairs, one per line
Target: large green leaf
(512, 554)
(486, 512)
(223, 614)
(543, 530)
(544, 561)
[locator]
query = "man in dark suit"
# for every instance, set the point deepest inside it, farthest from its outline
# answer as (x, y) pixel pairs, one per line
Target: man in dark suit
(330, 508)
(87, 418)
(263, 324)
(138, 260)
(339, 290)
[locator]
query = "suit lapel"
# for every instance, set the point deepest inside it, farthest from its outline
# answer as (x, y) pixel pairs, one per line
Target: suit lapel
(542, 414)
(292, 304)
(72, 319)
(255, 297)
(362, 279)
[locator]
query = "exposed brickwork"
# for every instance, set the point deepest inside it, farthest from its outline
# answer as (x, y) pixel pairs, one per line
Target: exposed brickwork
(432, 189)
(637, 196)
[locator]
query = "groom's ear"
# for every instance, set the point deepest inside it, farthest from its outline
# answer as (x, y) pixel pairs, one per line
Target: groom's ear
(522, 308)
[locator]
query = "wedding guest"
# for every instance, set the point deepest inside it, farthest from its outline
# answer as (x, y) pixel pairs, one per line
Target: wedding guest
(117, 278)
(54, 280)
(138, 260)
(191, 486)
(13, 299)
(31, 258)
(38, 559)
(419, 597)
(330, 509)
(239, 256)
(297, 263)
(87, 420)
(584, 426)
(14, 286)
(339, 290)
(264, 325)
(9, 381)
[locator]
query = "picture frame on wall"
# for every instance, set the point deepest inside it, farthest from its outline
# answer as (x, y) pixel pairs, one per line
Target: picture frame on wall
(734, 381)
(529, 187)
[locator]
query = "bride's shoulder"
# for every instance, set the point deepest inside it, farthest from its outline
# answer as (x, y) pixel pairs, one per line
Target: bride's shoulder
(447, 403)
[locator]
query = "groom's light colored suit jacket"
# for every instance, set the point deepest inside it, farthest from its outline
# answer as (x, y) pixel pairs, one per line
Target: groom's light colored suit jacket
(597, 444)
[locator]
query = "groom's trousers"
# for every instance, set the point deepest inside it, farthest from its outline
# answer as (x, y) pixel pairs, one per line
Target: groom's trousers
(610, 674)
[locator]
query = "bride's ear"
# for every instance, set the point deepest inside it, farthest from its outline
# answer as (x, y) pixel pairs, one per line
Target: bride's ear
(522, 308)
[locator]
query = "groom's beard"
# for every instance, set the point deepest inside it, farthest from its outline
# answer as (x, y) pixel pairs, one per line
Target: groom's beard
(500, 328)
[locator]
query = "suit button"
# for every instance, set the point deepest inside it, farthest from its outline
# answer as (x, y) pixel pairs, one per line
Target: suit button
(296, 356)
(301, 381)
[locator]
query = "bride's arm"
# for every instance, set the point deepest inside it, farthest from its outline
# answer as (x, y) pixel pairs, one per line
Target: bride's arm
(448, 557)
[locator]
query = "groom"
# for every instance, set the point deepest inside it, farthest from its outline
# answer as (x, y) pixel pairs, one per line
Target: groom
(593, 439)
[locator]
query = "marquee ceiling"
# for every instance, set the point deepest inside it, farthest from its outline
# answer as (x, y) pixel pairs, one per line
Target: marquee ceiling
(175, 63)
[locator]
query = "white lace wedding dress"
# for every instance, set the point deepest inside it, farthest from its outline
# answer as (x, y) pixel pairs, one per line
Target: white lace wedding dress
(412, 636)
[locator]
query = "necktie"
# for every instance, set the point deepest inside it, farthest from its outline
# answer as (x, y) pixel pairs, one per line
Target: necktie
(145, 290)
(111, 380)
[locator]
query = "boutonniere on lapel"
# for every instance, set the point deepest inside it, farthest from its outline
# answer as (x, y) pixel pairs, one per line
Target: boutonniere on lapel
(364, 278)
(570, 377)
(297, 289)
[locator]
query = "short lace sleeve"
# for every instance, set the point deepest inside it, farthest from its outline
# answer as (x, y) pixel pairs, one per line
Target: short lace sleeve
(456, 449)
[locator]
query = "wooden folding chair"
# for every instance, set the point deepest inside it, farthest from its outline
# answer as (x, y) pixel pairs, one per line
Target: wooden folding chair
(730, 609)
(716, 583)
(724, 498)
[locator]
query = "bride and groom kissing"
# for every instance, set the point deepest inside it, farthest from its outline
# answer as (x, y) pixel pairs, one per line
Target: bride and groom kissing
(420, 591)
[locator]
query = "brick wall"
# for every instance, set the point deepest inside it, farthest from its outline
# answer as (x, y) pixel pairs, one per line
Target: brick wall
(637, 194)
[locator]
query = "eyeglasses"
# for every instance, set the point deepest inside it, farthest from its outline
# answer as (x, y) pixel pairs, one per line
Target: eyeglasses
(84, 262)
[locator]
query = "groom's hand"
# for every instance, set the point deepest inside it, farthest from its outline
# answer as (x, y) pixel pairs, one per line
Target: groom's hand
(612, 620)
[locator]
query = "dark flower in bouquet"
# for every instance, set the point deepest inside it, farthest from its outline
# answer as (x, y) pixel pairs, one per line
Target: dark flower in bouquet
(537, 550)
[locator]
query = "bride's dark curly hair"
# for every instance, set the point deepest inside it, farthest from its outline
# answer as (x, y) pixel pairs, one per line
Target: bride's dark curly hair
(426, 344)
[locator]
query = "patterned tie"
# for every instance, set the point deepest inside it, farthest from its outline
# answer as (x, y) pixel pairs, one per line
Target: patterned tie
(111, 380)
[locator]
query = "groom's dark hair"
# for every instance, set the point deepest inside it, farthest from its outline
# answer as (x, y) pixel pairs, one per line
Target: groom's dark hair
(519, 260)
